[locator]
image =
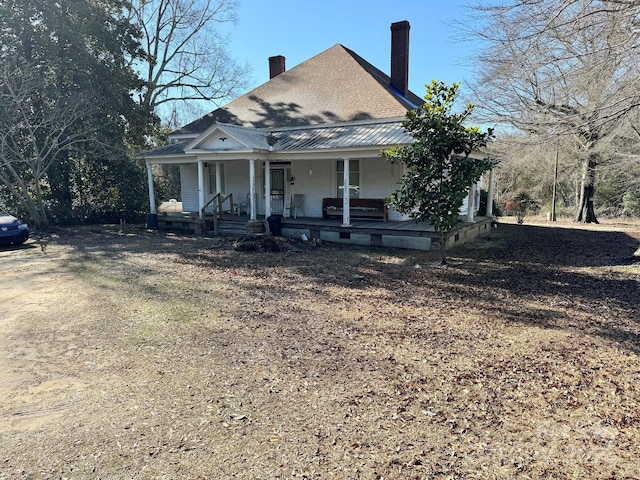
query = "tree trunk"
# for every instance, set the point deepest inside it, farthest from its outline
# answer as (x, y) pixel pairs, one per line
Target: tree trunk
(42, 222)
(586, 212)
(443, 251)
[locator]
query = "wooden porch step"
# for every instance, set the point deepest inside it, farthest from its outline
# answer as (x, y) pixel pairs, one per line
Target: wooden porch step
(228, 230)
(229, 226)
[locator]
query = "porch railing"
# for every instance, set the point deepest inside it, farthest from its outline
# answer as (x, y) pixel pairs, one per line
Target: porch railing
(217, 209)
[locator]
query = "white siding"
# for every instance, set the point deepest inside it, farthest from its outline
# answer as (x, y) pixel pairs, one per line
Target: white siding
(237, 179)
(315, 180)
(465, 205)
(236, 182)
(189, 185)
(215, 142)
(378, 179)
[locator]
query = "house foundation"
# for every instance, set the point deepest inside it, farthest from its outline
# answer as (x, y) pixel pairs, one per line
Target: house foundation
(400, 234)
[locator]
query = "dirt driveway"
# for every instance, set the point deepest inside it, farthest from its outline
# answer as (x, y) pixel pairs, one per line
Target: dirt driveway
(149, 355)
(36, 336)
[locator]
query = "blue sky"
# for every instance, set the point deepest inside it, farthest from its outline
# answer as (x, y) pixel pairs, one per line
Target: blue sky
(300, 29)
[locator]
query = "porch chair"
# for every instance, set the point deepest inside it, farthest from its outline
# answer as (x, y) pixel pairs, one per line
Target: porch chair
(241, 206)
(298, 203)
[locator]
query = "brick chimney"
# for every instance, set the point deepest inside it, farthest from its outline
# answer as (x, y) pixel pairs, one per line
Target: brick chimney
(400, 56)
(276, 66)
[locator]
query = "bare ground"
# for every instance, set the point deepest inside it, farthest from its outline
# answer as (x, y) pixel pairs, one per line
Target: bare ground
(159, 356)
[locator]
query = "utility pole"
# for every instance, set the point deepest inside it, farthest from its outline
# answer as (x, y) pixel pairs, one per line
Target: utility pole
(555, 186)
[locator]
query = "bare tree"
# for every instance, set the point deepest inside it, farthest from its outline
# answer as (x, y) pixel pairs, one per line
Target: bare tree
(579, 13)
(625, 150)
(529, 165)
(185, 54)
(561, 68)
(34, 131)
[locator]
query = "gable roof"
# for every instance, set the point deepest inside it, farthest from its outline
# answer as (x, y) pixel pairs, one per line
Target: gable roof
(251, 138)
(336, 85)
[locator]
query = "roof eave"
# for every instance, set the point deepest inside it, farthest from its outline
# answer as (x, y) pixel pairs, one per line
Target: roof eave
(204, 151)
(233, 155)
(183, 158)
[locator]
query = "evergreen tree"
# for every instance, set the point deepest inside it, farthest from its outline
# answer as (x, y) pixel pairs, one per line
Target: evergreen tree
(439, 167)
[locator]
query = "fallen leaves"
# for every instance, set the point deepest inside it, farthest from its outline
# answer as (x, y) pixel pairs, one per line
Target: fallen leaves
(282, 360)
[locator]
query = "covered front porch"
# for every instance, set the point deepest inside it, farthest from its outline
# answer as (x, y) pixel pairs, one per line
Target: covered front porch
(267, 170)
(397, 234)
(326, 182)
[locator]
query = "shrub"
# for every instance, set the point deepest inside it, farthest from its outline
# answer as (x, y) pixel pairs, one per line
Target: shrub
(520, 204)
(631, 203)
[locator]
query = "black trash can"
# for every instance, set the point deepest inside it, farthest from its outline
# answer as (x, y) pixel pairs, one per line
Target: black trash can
(275, 225)
(152, 221)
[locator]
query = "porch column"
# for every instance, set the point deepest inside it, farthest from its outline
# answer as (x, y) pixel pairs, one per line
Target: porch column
(490, 195)
(252, 188)
(470, 199)
(152, 195)
(267, 189)
(346, 213)
(218, 178)
(200, 188)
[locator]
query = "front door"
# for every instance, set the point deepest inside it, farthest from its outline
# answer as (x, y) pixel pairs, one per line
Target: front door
(277, 191)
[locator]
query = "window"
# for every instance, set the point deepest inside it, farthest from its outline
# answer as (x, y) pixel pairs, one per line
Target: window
(212, 179)
(354, 178)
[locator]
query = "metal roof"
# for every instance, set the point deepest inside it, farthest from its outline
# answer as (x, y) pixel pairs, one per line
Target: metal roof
(171, 149)
(370, 134)
(254, 138)
(364, 134)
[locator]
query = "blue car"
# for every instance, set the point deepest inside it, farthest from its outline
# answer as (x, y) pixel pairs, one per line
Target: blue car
(12, 230)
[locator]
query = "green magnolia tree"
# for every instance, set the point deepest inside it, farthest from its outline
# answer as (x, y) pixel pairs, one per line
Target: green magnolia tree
(439, 168)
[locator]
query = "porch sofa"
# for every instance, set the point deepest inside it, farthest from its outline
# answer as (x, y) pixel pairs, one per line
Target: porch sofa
(370, 208)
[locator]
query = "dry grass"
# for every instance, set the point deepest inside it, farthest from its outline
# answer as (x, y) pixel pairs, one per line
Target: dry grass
(158, 356)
